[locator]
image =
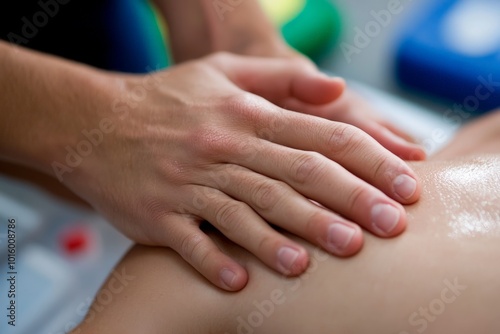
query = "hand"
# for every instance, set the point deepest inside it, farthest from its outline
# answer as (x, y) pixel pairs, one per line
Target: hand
(205, 145)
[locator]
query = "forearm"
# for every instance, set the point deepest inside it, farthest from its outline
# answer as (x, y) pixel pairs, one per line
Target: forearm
(199, 27)
(45, 104)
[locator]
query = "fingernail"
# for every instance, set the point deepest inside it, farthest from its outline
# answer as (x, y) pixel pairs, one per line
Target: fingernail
(339, 236)
(385, 217)
(286, 258)
(404, 186)
(228, 276)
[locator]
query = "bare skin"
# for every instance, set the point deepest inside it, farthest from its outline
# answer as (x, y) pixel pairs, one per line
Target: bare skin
(149, 151)
(441, 276)
(481, 136)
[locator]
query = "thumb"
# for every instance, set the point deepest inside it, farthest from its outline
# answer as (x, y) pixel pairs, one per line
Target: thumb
(277, 79)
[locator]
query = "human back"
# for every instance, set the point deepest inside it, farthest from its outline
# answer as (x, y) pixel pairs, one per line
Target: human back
(440, 276)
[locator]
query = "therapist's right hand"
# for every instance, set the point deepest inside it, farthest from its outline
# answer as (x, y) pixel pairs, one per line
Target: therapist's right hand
(206, 141)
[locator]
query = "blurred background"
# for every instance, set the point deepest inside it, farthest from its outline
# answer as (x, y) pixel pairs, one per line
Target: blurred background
(433, 53)
(428, 66)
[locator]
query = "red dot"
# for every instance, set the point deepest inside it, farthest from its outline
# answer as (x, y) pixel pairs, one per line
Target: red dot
(75, 240)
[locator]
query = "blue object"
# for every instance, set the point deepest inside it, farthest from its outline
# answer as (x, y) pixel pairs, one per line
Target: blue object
(451, 49)
(136, 42)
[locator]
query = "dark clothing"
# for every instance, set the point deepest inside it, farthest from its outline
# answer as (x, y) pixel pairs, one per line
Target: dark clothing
(119, 35)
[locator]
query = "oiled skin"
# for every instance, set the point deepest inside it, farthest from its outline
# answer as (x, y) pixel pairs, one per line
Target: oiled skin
(453, 238)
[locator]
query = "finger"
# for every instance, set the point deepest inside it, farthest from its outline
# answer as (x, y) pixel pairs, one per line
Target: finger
(201, 252)
(326, 182)
(278, 79)
(398, 132)
(348, 146)
(390, 137)
(281, 205)
(404, 149)
(238, 222)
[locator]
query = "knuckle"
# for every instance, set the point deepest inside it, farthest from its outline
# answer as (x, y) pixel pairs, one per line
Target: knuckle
(253, 114)
(247, 151)
(227, 216)
(235, 137)
(245, 106)
(356, 197)
(190, 246)
(266, 195)
(203, 261)
(381, 168)
(344, 139)
(312, 224)
(307, 167)
(213, 143)
(267, 243)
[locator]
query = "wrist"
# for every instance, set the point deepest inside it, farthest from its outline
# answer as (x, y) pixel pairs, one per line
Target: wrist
(79, 145)
(242, 29)
(47, 102)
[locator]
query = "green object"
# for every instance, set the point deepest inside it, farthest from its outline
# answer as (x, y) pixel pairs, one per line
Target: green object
(315, 30)
(135, 41)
